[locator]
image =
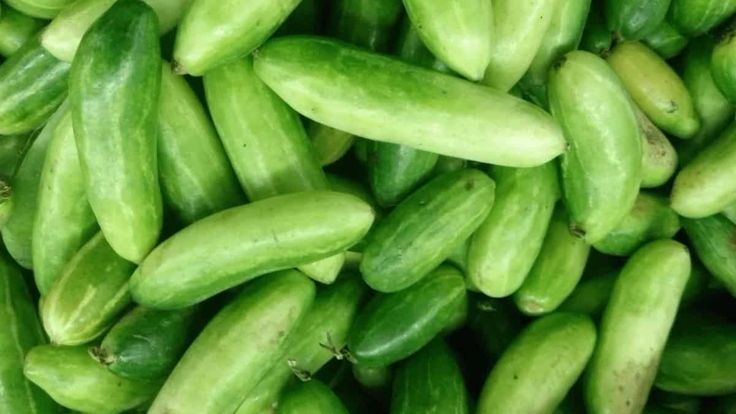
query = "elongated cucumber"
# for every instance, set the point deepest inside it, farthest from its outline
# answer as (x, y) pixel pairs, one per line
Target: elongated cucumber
(634, 19)
(712, 237)
(311, 397)
(694, 17)
(15, 30)
(6, 201)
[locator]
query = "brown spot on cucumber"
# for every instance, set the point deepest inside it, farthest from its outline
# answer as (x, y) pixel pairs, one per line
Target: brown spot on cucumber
(577, 231)
(102, 355)
(469, 185)
(558, 63)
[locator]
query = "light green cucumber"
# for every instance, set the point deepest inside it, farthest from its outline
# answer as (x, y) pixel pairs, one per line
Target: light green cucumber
(329, 144)
(723, 63)
(307, 18)
(503, 249)
(15, 30)
(634, 19)
(345, 88)
(666, 40)
(694, 17)
(635, 326)
(311, 397)
(590, 295)
(346, 185)
(42, 9)
(601, 170)
(712, 238)
(597, 38)
(658, 156)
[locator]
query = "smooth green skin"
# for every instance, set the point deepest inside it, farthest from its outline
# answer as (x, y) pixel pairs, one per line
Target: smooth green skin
(329, 144)
(6, 202)
(64, 221)
(590, 295)
(563, 35)
(695, 17)
(78, 382)
(713, 239)
(305, 19)
(597, 38)
(656, 88)
(422, 231)
(196, 177)
(12, 150)
(730, 213)
(502, 250)
(430, 382)
(114, 103)
(540, 366)
(410, 48)
(635, 19)
(233, 246)
(707, 184)
(556, 271)
(311, 397)
(20, 331)
(676, 403)
(365, 23)
(601, 170)
(345, 88)
(651, 218)
(42, 9)
(238, 347)
(458, 32)
(88, 296)
(699, 357)
(326, 323)
(18, 230)
(519, 30)
(372, 377)
(393, 326)
(396, 170)
(15, 30)
(723, 65)
(635, 326)
(348, 186)
(658, 156)
(33, 84)
(666, 40)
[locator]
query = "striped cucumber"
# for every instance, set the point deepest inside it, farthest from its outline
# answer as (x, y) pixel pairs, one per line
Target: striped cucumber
(597, 38)
(712, 238)
(695, 17)
(15, 30)
(635, 19)
(723, 63)
(601, 170)
(666, 40)
(42, 9)
(422, 231)
(658, 156)
(311, 397)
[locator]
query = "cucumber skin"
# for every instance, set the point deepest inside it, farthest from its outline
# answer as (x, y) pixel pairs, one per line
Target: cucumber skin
(15, 30)
(122, 83)
(42, 9)
(712, 237)
(634, 19)
(420, 233)
(723, 64)
(365, 23)
(311, 397)
(695, 17)
(12, 150)
(666, 40)
(597, 39)
(658, 156)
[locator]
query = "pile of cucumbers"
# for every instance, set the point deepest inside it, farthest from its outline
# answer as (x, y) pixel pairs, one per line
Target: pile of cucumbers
(368, 206)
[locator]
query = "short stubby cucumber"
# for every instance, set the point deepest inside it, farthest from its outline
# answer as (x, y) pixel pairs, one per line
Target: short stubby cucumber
(422, 231)
(635, 326)
(723, 63)
(503, 249)
(15, 30)
(695, 17)
(346, 88)
(634, 19)
(312, 397)
(666, 40)
(601, 170)
(712, 238)
(597, 38)
(238, 244)
(114, 88)
(658, 156)
(42, 9)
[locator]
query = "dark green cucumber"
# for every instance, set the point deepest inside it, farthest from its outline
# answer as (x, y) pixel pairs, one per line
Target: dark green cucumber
(666, 40)
(635, 19)
(713, 240)
(723, 63)
(590, 295)
(430, 382)
(365, 23)
(372, 378)
(15, 30)
(694, 17)
(42, 9)
(395, 325)
(597, 38)
(410, 48)
(495, 323)
(422, 231)
(305, 19)
(723, 405)
(6, 201)
(312, 397)
(658, 156)
(12, 150)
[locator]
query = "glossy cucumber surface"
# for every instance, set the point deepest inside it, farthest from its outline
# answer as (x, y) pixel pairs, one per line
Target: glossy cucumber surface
(694, 17)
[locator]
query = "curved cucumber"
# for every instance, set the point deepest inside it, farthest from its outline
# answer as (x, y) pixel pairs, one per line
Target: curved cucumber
(42, 9)
(712, 237)
(365, 23)
(15, 30)
(395, 325)
(658, 156)
(426, 110)
(590, 295)
(117, 76)
(694, 17)
(238, 347)
(656, 88)
(248, 241)
(666, 40)
(329, 144)
(634, 19)
(422, 231)
(311, 397)
(635, 326)
(723, 64)
(503, 249)
(597, 38)
(602, 169)
(552, 350)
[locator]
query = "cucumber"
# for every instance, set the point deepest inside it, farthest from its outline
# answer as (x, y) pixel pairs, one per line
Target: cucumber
(345, 185)
(248, 241)
(426, 110)
(430, 382)
(656, 88)
(494, 323)
(590, 295)
(666, 40)
(395, 170)
(601, 170)
(42, 9)
(723, 405)
(519, 30)
(15, 30)
(372, 378)
(730, 213)
(6, 202)
(553, 351)
(395, 325)
(88, 296)
(658, 156)
(329, 144)
(635, 19)
(64, 220)
(33, 84)
(712, 238)
(365, 23)
(422, 231)
(597, 38)
(723, 63)
(116, 76)
(225, 362)
(77, 382)
(694, 17)
(311, 397)
(503, 249)
(196, 177)
(12, 150)
(20, 331)
(650, 219)
(305, 19)
(635, 326)
(410, 48)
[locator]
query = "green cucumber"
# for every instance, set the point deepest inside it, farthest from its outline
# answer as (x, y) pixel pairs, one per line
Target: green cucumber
(601, 170)
(597, 38)
(365, 23)
(372, 378)
(305, 19)
(430, 382)
(503, 249)
(635, 326)
(666, 40)
(459, 256)
(590, 295)
(238, 346)
(712, 238)
(651, 218)
(658, 156)
(556, 271)
(675, 403)
(635, 19)
(12, 150)
(311, 397)
(64, 220)
(723, 63)
(395, 170)
(42, 9)
(495, 323)
(723, 405)
(20, 331)
(78, 382)
(730, 213)
(395, 325)
(552, 351)
(15, 30)
(33, 84)
(321, 79)
(409, 47)
(656, 88)
(117, 76)
(329, 144)
(346, 185)
(519, 30)
(6, 201)
(196, 177)
(422, 231)
(695, 17)
(88, 296)
(248, 241)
